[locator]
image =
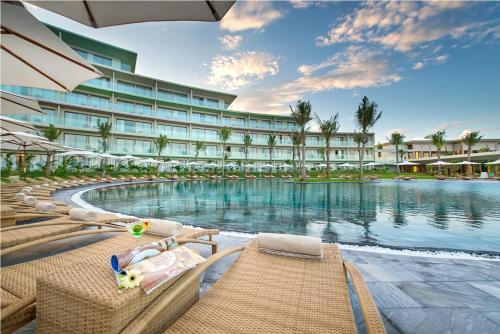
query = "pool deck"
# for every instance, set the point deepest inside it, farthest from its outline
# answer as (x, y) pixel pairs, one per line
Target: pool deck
(415, 294)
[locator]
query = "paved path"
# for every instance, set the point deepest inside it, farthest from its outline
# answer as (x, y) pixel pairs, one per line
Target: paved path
(421, 295)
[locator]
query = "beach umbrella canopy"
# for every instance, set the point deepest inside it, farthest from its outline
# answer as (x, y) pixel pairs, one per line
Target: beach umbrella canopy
(151, 161)
(408, 163)
(440, 163)
(372, 164)
(172, 162)
(22, 141)
(321, 165)
(193, 163)
(33, 56)
(267, 166)
(231, 164)
(466, 163)
(13, 125)
(108, 156)
(13, 104)
(347, 165)
(128, 157)
(286, 166)
(248, 165)
(18, 137)
(212, 164)
(78, 153)
(496, 162)
(98, 14)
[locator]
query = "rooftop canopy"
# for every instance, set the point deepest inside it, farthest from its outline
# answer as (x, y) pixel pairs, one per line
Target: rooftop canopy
(98, 14)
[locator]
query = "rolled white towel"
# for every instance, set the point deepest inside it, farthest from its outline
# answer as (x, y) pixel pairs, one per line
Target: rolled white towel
(31, 200)
(45, 185)
(36, 186)
(54, 183)
(26, 191)
(290, 245)
(82, 214)
(45, 207)
(66, 182)
(29, 188)
(164, 227)
(20, 196)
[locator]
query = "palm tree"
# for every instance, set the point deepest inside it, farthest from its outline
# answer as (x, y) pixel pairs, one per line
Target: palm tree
(328, 130)
(397, 139)
(366, 117)
(296, 141)
(271, 143)
(51, 133)
(224, 134)
(358, 138)
(470, 138)
(198, 146)
(247, 142)
(104, 129)
(302, 115)
(437, 139)
(160, 143)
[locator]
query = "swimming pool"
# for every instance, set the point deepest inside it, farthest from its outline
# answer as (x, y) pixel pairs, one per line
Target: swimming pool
(416, 214)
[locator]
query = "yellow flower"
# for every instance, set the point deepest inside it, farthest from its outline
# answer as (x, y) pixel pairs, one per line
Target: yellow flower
(132, 279)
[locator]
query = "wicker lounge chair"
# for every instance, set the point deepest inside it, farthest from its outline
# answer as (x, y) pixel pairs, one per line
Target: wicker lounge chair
(19, 282)
(263, 293)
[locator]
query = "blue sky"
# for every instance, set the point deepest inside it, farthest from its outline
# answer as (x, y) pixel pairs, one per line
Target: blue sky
(428, 65)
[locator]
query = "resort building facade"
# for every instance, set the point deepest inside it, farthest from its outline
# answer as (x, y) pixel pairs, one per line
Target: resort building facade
(141, 108)
(423, 149)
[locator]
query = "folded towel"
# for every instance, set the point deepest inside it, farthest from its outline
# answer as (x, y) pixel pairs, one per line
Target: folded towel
(31, 200)
(45, 184)
(36, 186)
(134, 255)
(20, 196)
(290, 245)
(82, 214)
(29, 188)
(26, 191)
(45, 207)
(164, 227)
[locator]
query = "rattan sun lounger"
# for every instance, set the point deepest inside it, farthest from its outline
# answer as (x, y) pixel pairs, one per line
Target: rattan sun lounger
(18, 282)
(263, 293)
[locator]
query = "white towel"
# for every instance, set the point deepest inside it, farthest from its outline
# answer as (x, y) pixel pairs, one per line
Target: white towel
(82, 214)
(164, 227)
(290, 245)
(54, 183)
(20, 196)
(45, 207)
(31, 200)
(36, 186)
(29, 188)
(26, 191)
(45, 184)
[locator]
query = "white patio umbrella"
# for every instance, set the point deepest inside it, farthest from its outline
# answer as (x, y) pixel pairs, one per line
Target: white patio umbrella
(267, 166)
(78, 153)
(346, 165)
(373, 164)
(193, 163)
(466, 163)
(172, 162)
(13, 125)
(33, 56)
(212, 165)
(150, 161)
(231, 164)
(286, 166)
(128, 157)
(408, 163)
(13, 104)
(496, 162)
(321, 165)
(109, 156)
(97, 14)
(440, 163)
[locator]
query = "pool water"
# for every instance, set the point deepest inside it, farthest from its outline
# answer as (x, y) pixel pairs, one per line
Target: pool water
(409, 214)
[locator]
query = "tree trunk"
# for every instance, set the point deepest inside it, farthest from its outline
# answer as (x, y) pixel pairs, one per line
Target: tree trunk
(327, 160)
(439, 159)
(397, 159)
(300, 161)
(246, 161)
(469, 167)
(158, 165)
(270, 161)
(361, 157)
(223, 158)
(47, 165)
(303, 173)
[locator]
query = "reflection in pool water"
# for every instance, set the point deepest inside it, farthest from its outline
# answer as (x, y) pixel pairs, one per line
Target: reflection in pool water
(427, 214)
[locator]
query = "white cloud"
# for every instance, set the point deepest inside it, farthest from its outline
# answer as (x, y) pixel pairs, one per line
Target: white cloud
(231, 42)
(418, 66)
(442, 59)
(299, 4)
(249, 15)
(404, 25)
(356, 67)
(241, 69)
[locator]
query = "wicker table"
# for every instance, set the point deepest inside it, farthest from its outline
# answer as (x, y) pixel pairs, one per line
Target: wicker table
(85, 299)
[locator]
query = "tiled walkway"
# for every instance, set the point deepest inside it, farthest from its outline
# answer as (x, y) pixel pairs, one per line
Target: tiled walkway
(421, 295)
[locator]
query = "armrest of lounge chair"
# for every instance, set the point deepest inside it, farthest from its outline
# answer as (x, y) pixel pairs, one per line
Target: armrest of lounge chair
(198, 241)
(371, 315)
(146, 318)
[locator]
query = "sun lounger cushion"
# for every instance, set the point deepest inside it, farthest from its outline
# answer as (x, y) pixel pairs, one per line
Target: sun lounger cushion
(82, 214)
(164, 227)
(290, 245)
(45, 207)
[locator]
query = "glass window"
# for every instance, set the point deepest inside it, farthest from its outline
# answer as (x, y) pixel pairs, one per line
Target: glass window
(99, 82)
(213, 103)
(174, 114)
(198, 100)
(129, 126)
(76, 120)
(103, 60)
(173, 131)
(143, 147)
(124, 145)
(125, 87)
(126, 67)
(226, 121)
(253, 123)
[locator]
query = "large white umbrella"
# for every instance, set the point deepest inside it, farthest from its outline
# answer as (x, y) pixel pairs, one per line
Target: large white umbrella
(440, 163)
(286, 166)
(33, 56)
(128, 157)
(496, 162)
(13, 104)
(408, 163)
(193, 163)
(12, 125)
(466, 163)
(78, 153)
(321, 165)
(97, 14)
(347, 165)
(231, 165)
(372, 164)
(108, 156)
(150, 161)
(172, 162)
(211, 165)
(267, 166)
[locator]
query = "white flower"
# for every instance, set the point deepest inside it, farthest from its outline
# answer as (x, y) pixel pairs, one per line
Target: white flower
(132, 279)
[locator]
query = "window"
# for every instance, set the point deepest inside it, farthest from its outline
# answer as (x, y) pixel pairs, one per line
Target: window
(173, 131)
(143, 147)
(204, 134)
(129, 126)
(103, 60)
(204, 118)
(99, 82)
(253, 123)
(124, 145)
(198, 100)
(213, 103)
(226, 121)
(84, 142)
(134, 89)
(174, 114)
(177, 148)
(130, 107)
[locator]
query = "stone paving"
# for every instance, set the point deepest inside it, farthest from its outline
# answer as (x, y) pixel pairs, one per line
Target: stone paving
(421, 295)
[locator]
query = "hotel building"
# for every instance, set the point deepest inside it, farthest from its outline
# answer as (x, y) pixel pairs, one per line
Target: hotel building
(141, 108)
